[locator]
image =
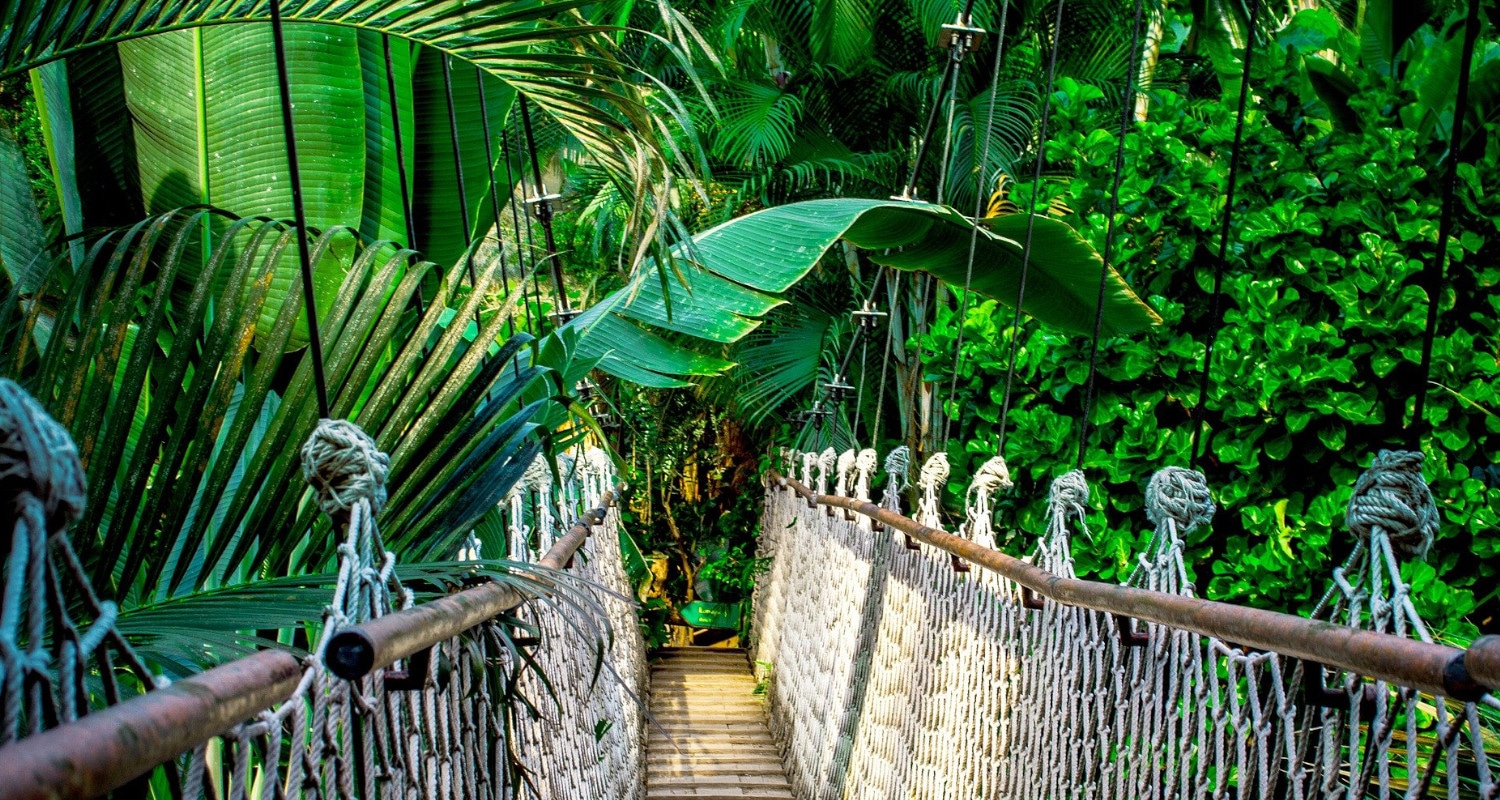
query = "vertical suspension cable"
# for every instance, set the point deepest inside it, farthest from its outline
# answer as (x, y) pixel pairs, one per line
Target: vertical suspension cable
(544, 216)
(516, 226)
(390, 82)
(1127, 113)
(536, 285)
(299, 212)
(885, 362)
(1036, 184)
(1215, 311)
(458, 171)
(908, 192)
(489, 160)
(1433, 274)
(979, 197)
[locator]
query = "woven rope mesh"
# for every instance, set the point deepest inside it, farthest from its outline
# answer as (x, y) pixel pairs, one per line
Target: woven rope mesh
(893, 676)
(446, 738)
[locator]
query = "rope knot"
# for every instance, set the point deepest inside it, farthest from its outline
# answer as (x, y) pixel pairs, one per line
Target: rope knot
(1180, 495)
(38, 457)
(846, 463)
(1393, 495)
(992, 476)
(934, 472)
(898, 466)
(1070, 489)
(344, 466)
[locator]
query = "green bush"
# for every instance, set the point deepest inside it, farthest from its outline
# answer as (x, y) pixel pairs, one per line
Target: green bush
(1316, 364)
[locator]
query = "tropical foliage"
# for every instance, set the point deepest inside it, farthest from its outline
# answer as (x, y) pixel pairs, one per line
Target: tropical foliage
(168, 329)
(1319, 342)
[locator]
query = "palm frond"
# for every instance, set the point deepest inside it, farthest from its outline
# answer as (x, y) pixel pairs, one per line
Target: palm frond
(189, 414)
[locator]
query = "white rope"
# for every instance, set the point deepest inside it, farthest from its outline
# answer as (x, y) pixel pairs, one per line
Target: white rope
(893, 678)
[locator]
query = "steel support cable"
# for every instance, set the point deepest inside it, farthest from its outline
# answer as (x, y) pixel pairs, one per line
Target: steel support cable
(979, 197)
(516, 227)
(885, 362)
(489, 173)
(1036, 183)
(1433, 277)
(1215, 311)
(544, 216)
(299, 212)
(401, 176)
(458, 171)
(536, 285)
(1127, 113)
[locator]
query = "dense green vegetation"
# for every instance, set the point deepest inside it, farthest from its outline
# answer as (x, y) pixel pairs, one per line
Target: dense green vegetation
(660, 122)
(1316, 364)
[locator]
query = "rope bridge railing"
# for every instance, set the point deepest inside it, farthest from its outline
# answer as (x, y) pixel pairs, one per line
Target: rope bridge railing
(344, 721)
(898, 672)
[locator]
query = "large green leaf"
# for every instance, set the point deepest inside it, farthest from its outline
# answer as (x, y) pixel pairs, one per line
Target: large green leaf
(547, 50)
(730, 271)
(207, 116)
(21, 235)
(440, 223)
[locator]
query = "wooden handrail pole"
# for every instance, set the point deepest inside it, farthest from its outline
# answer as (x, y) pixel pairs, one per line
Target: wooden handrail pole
(1432, 668)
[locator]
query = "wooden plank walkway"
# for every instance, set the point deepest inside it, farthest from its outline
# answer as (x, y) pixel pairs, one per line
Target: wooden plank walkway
(717, 745)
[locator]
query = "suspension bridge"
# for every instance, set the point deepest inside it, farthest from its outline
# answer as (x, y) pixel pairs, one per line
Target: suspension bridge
(895, 651)
(894, 668)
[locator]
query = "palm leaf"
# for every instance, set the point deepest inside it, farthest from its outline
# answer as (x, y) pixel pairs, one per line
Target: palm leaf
(566, 65)
(189, 431)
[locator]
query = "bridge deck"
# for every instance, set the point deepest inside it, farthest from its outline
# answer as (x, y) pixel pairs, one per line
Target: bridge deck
(717, 744)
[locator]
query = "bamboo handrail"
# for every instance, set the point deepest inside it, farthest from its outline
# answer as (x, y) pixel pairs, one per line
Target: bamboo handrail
(1431, 668)
(107, 749)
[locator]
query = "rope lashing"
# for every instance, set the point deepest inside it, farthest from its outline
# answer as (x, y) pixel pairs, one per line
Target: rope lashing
(1392, 496)
(931, 480)
(43, 488)
(845, 472)
(898, 479)
(865, 465)
(992, 477)
(38, 458)
(344, 466)
(1180, 495)
(1068, 497)
(826, 461)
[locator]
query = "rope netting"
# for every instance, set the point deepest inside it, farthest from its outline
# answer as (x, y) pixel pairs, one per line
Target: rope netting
(450, 723)
(895, 675)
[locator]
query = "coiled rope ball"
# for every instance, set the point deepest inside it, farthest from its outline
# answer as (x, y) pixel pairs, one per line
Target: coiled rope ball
(344, 466)
(38, 458)
(1069, 489)
(1180, 495)
(1393, 496)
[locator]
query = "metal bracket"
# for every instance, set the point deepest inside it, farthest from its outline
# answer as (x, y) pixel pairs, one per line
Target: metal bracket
(961, 37)
(959, 565)
(1316, 692)
(868, 317)
(1129, 636)
(1032, 600)
(414, 677)
(911, 544)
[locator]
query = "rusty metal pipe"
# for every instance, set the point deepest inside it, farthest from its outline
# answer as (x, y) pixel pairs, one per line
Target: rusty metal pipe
(356, 651)
(107, 749)
(1482, 661)
(1432, 668)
